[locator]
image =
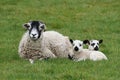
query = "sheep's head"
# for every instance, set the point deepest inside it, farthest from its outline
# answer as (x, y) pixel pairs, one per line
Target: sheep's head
(35, 29)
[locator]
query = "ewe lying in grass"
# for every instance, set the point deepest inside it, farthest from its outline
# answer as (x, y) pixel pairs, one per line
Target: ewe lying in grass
(37, 44)
(83, 54)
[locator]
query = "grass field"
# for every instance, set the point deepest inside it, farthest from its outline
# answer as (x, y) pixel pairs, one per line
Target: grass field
(78, 19)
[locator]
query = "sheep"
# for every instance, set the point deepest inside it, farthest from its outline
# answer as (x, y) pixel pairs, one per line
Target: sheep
(37, 44)
(83, 54)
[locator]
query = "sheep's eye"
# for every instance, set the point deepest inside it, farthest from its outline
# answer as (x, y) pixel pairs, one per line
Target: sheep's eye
(92, 44)
(42, 26)
(97, 43)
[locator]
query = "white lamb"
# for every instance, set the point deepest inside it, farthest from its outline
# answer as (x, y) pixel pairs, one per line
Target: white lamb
(37, 44)
(83, 54)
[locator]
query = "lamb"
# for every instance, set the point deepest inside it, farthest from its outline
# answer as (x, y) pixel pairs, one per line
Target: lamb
(83, 54)
(37, 44)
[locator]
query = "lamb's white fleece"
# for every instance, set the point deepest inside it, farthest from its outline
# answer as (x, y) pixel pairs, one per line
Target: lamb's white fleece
(87, 54)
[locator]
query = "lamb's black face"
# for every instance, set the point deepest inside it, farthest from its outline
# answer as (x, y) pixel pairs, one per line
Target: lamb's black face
(94, 44)
(35, 29)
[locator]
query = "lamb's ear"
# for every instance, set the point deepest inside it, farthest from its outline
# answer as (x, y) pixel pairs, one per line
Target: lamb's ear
(86, 42)
(71, 41)
(100, 41)
(26, 25)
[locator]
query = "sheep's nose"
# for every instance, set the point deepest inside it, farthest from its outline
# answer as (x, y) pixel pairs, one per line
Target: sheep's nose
(34, 34)
(76, 49)
(96, 48)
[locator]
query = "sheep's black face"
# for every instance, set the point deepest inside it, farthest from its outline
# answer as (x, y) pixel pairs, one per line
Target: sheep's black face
(35, 29)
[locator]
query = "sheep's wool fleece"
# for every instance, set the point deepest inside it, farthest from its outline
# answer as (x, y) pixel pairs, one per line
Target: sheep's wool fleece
(50, 44)
(28, 48)
(58, 44)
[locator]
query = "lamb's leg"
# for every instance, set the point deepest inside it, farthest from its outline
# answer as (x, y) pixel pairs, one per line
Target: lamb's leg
(80, 59)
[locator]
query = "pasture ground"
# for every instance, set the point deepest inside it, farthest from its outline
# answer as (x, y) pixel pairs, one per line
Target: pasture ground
(78, 19)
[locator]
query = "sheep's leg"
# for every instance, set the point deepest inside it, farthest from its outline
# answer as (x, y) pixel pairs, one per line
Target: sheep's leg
(46, 54)
(41, 59)
(49, 54)
(31, 61)
(45, 58)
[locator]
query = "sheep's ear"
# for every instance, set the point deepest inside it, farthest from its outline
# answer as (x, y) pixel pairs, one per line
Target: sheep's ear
(43, 26)
(100, 41)
(71, 41)
(26, 25)
(86, 42)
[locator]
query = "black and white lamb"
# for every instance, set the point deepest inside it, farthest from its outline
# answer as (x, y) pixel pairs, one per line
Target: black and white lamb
(93, 45)
(37, 44)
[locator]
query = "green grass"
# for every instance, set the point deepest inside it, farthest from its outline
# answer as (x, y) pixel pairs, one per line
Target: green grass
(78, 19)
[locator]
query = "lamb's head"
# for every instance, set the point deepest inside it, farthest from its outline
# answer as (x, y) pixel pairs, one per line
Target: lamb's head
(35, 28)
(93, 44)
(77, 45)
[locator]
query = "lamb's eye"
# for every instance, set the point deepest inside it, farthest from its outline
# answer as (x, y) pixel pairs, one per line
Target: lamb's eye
(73, 44)
(92, 44)
(80, 45)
